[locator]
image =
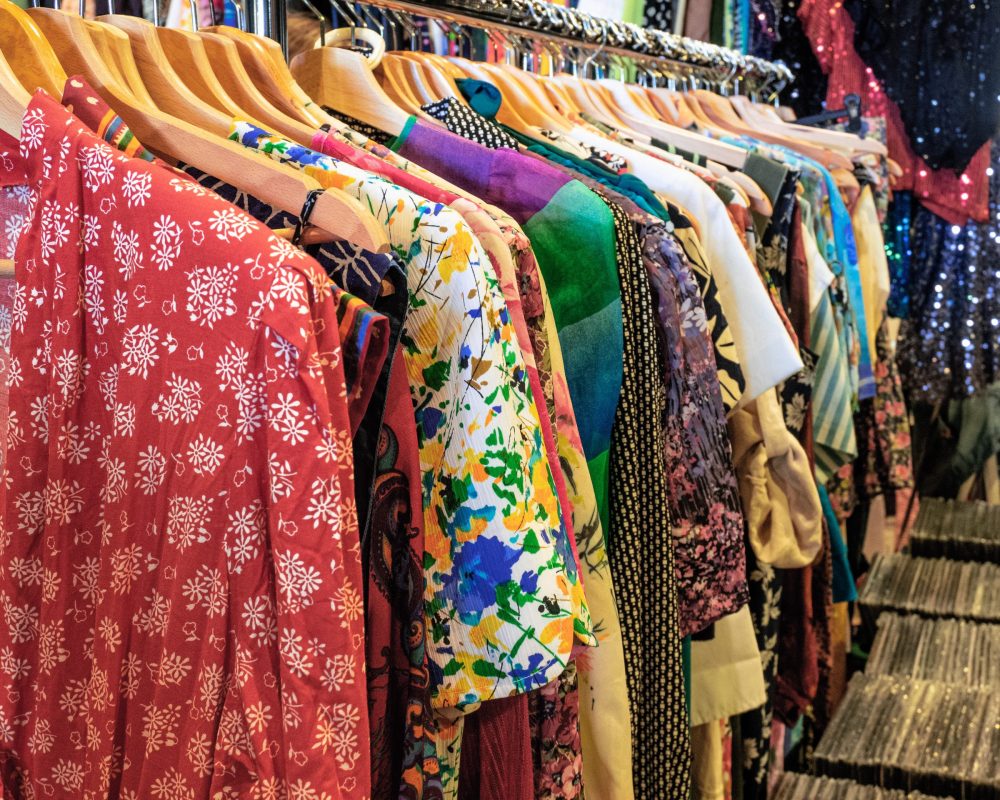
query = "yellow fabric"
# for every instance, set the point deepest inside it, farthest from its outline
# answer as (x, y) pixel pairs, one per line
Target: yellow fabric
(605, 720)
(727, 675)
(872, 264)
(780, 500)
(707, 779)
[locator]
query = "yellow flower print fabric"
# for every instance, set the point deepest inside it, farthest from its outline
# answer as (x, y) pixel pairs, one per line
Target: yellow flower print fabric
(503, 597)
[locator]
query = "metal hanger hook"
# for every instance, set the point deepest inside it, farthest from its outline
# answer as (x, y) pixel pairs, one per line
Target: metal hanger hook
(597, 52)
(315, 12)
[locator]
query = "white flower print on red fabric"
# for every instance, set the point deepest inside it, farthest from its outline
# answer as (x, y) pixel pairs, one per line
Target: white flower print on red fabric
(179, 580)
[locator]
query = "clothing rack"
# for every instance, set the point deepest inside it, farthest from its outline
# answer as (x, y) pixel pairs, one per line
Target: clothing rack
(566, 27)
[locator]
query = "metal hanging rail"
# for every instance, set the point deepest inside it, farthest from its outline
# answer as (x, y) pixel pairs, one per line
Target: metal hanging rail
(573, 28)
(566, 27)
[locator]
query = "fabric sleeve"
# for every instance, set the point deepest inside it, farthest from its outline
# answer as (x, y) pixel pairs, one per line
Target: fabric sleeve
(313, 537)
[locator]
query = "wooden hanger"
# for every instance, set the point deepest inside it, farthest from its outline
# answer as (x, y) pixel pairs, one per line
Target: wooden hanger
(535, 113)
(114, 44)
(561, 99)
(641, 99)
(720, 153)
(342, 80)
(186, 51)
(721, 112)
(575, 91)
(279, 185)
(28, 54)
(172, 92)
(760, 118)
(6, 268)
(526, 84)
(397, 87)
(404, 81)
(443, 64)
(671, 106)
(14, 99)
(440, 84)
(686, 140)
(224, 58)
(275, 83)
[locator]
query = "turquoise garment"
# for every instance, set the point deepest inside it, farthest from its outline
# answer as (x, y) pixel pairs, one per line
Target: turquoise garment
(485, 98)
(844, 589)
(841, 254)
(848, 253)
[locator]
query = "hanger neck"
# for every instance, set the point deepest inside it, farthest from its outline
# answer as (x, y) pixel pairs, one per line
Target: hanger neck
(342, 80)
(29, 55)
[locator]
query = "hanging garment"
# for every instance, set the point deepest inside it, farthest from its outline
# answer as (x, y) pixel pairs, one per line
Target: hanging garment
(705, 512)
(397, 670)
(706, 521)
(508, 180)
(403, 759)
(508, 250)
(727, 676)
(459, 118)
(835, 236)
(471, 581)
(603, 705)
(558, 749)
(783, 512)
(898, 226)
(937, 62)
(873, 265)
(884, 463)
(639, 526)
(729, 372)
(949, 347)
(568, 227)
(659, 14)
(755, 725)
(767, 355)
(194, 368)
(956, 198)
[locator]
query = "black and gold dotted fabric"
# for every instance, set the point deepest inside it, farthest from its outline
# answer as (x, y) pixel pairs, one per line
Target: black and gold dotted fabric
(640, 549)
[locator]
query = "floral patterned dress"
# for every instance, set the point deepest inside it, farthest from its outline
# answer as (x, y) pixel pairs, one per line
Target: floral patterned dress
(503, 598)
(599, 698)
(387, 482)
(181, 597)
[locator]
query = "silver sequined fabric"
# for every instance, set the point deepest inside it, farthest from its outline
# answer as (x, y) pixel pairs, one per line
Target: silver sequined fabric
(950, 346)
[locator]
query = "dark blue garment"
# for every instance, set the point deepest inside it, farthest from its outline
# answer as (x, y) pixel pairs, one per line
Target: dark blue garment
(949, 347)
(898, 251)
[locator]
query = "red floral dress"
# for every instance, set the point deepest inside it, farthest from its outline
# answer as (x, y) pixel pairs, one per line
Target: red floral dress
(180, 585)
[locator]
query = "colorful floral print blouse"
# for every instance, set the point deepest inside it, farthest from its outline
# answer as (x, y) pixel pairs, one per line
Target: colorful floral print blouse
(603, 699)
(503, 598)
(570, 229)
(181, 602)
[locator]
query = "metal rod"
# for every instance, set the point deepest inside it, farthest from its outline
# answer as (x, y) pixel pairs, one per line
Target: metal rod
(571, 27)
(269, 18)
